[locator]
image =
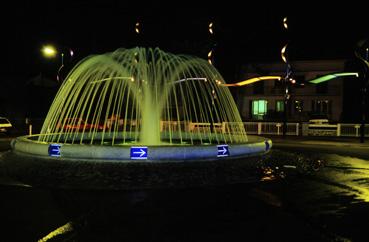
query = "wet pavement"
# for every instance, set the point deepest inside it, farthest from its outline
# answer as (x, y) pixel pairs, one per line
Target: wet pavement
(300, 196)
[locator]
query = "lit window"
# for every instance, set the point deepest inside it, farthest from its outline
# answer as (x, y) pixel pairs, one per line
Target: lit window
(259, 107)
(299, 106)
(279, 106)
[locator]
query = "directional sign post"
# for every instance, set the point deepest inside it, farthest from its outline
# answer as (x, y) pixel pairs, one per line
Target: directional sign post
(54, 150)
(223, 151)
(139, 153)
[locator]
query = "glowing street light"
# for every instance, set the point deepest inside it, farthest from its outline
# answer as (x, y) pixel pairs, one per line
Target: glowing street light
(49, 51)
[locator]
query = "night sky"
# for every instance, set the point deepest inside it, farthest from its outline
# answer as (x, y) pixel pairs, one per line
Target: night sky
(242, 34)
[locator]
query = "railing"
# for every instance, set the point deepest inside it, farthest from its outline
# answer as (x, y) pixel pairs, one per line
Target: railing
(351, 130)
(272, 128)
(258, 128)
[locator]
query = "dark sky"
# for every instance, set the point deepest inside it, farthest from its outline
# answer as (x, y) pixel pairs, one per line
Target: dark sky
(242, 34)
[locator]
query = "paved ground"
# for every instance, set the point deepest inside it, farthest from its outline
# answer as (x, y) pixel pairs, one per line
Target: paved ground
(332, 145)
(292, 202)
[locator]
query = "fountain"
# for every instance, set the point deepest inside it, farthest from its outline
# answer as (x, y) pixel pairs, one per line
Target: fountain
(136, 106)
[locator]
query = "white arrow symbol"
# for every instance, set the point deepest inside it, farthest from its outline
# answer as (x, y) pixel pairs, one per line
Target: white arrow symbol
(57, 150)
(224, 150)
(141, 152)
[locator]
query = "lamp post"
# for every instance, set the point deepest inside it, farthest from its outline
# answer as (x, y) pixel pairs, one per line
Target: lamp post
(285, 80)
(50, 51)
(364, 85)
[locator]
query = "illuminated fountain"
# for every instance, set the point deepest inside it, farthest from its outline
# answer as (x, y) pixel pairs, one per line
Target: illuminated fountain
(143, 97)
(142, 104)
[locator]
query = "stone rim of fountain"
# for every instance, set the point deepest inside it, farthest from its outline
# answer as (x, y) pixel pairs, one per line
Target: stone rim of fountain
(256, 146)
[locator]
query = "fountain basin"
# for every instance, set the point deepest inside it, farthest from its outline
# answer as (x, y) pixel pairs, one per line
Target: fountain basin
(91, 167)
(28, 145)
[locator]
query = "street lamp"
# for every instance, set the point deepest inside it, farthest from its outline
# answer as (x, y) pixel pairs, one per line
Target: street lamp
(365, 83)
(287, 78)
(50, 51)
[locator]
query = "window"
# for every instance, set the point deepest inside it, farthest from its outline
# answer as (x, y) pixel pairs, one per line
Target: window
(259, 107)
(299, 106)
(279, 106)
(321, 106)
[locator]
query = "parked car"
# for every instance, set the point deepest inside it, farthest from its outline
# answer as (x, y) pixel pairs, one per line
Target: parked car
(5, 125)
(78, 124)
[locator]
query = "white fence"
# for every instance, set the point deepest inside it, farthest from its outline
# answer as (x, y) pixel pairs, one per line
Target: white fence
(273, 128)
(351, 130)
(305, 129)
(260, 128)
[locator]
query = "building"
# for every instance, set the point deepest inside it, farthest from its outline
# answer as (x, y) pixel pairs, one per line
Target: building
(264, 100)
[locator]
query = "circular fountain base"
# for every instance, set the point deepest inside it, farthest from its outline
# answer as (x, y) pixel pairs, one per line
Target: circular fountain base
(86, 167)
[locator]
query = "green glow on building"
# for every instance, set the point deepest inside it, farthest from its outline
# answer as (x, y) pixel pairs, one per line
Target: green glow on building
(279, 106)
(259, 107)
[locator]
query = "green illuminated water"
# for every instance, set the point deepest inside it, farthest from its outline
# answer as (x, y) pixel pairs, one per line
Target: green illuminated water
(143, 96)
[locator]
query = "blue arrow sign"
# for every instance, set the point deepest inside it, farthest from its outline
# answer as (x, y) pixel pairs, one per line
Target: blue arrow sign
(139, 153)
(54, 150)
(223, 150)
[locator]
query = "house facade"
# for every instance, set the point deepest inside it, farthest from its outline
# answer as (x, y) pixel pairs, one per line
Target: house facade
(264, 100)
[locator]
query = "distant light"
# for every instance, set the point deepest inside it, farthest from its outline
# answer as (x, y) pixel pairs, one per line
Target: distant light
(49, 51)
(211, 28)
(293, 81)
(209, 56)
(71, 52)
(252, 80)
(210, 53)
(285, 23)
(283, 53)
(137, 26)
(332, 76)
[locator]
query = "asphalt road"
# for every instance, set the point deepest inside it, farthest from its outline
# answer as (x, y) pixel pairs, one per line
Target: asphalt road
(328, 145)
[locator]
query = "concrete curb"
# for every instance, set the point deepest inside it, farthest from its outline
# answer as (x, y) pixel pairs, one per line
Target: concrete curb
(26, 145)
